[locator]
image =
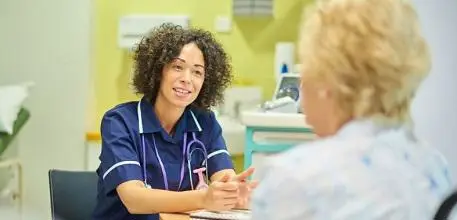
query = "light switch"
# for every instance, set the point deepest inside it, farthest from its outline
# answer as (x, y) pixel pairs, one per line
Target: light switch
(223, 24)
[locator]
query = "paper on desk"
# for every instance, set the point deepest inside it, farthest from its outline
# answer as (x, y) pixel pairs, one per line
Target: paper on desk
(237, 214)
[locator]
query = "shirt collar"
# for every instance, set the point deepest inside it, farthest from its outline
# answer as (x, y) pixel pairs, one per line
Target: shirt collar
(147, 118)
(150, 123)
(363, 128)
(188, 122)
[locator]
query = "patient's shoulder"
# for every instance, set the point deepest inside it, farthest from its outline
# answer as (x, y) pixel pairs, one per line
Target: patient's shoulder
(327, 149)
(313, 159)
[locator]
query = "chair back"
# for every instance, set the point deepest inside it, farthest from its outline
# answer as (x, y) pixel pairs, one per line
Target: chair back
(446, 208)
(73, 194)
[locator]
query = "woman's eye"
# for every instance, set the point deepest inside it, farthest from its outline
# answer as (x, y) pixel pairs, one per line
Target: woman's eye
(178, 67)
(198, 72)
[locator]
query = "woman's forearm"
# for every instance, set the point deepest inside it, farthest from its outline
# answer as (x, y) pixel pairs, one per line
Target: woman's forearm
(141, 200)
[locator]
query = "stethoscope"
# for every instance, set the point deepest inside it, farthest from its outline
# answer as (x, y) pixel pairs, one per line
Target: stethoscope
(186, 151)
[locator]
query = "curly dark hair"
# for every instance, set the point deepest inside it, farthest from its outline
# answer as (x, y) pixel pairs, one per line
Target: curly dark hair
(163, 44)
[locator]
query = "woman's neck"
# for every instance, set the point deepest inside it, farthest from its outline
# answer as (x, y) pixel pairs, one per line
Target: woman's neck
(168, 115)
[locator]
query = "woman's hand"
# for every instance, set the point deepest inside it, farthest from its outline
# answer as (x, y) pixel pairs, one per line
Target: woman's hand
(244, 198)
(245, 188)
(221, 195)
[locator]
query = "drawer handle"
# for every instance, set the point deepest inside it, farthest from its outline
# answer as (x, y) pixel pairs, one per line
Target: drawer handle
(282, 137)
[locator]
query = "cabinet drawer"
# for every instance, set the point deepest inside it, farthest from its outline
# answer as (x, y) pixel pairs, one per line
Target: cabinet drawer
(291, 138)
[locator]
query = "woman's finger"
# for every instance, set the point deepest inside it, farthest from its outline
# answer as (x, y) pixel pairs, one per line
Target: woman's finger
(253, 184)
(224, 178)
(226, 186)
(245, 174)
(232, 201)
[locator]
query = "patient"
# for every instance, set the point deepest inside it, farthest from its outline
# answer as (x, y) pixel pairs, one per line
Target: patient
(363, 61)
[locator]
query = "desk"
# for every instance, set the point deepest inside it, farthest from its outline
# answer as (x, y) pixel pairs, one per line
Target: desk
(270, 133)
(166, 216)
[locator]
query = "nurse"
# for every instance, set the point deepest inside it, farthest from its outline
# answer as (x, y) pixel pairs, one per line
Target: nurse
(155, 151)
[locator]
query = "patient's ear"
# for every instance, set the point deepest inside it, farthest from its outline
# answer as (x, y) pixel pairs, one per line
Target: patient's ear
(324, 92)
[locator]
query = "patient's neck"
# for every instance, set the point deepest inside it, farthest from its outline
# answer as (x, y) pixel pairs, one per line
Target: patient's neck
(333, 124)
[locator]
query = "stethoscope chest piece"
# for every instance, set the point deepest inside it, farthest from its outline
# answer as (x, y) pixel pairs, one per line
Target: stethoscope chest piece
(147, 186)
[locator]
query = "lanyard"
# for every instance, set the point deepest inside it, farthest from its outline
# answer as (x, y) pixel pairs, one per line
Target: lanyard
(162, 166)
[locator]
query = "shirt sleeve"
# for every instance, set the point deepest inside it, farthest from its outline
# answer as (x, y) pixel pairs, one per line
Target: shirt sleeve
(218, 156)
(119, 160)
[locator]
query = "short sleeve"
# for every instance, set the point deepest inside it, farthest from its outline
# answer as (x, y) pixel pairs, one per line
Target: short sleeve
(218, 156)
(119, 160)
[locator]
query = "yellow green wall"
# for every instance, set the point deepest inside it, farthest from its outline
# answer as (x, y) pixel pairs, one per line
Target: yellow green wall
(251, 42)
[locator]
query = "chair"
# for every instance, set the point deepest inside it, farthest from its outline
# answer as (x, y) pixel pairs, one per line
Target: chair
(73, 194)
(446, 208)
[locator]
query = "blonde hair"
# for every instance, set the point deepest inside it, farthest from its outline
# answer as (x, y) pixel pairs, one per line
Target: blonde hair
(370, 51)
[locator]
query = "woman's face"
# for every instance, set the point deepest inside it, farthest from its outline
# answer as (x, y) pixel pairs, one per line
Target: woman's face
(318, 107)
(183, 78)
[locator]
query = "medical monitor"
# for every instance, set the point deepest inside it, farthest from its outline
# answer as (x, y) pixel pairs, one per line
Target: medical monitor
(288, 85)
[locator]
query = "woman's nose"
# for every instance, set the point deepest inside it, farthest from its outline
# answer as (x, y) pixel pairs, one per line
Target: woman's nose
(186, 76)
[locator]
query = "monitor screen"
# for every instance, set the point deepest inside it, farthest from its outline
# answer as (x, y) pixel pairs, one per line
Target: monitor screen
(288, 86)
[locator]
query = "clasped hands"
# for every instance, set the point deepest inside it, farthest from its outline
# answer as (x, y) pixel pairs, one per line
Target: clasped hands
(230, 191)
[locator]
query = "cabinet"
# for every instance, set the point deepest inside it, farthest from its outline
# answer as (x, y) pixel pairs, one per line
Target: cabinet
(268, 134)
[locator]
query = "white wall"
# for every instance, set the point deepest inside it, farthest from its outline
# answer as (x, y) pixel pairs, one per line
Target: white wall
(48, 42)
(435, 109)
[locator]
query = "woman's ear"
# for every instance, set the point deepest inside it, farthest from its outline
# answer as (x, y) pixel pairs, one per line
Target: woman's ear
(324, 92)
